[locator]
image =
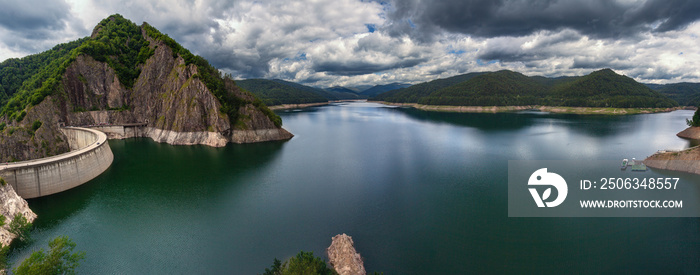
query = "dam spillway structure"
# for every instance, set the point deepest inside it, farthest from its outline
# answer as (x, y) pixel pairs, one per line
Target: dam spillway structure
(90, 155)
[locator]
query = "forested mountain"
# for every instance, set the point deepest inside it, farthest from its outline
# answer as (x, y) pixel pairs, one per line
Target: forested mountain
(124, 73)
(603, 88)
(359, 88)
(326, 94)
(502, 88)
(414, 93)
(686, 94)
(277, 93)
(343, 93)
(286, 95)
(379, 89)
(15, 71)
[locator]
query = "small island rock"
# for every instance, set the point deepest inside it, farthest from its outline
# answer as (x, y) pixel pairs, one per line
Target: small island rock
(344, 258)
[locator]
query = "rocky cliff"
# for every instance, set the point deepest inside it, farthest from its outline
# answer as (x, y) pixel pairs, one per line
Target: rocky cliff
(36, 136)
(129, 74)
(343, 257)
(12, 205)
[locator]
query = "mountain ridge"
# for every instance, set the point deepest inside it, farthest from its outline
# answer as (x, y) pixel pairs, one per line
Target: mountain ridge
(603, 88)
(125, 73)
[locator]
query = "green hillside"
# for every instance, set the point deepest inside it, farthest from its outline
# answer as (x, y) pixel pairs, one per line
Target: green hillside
(331, 95)
(277, 93)
(686, 94)
(343, 93)
(502, 88)
(15, 71)
(416, 92)
(380, 89)
(603, 88)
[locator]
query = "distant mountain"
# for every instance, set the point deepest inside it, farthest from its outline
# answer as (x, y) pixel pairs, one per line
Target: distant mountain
(603, 88)
(414, 93)
(274, 92)
(379, 89)
(321, 92)
(343, 93)
(360, 88)
(686, 94)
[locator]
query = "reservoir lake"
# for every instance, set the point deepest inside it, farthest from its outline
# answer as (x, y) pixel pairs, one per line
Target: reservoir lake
(420, 193)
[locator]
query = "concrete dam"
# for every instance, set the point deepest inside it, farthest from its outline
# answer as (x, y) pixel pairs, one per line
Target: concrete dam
(90, 155)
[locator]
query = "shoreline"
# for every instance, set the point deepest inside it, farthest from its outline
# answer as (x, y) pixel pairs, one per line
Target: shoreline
(297, 106)
(685, 160)
(551, 109)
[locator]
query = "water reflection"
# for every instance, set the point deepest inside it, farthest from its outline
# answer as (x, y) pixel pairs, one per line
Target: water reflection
(145, 169)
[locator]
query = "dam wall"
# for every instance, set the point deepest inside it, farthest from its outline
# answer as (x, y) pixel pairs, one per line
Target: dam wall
(90, 155)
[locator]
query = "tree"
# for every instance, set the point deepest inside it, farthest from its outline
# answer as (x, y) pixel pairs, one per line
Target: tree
(4, 263)
(59, 259)
(695, 122)
(303, 263)
(20, 227)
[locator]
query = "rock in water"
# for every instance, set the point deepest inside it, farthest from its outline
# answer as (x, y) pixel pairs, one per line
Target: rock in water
(344, 258)
(11, 205)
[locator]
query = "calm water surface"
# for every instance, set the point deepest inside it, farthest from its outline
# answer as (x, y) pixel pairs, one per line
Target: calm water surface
(419, 192)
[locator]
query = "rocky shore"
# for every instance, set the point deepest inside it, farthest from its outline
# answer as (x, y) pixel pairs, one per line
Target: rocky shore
(683, 161)
(343, 257)
(690, 133)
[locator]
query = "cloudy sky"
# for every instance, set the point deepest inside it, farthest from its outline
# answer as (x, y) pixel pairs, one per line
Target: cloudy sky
(353, 42)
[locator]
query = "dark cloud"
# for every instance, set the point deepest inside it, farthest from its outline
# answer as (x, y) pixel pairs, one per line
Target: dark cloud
(357, 67)
(597, 63)
(32, 15)
(423, 19)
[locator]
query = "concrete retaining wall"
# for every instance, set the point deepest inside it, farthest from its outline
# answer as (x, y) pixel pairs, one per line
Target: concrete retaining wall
(90, 155)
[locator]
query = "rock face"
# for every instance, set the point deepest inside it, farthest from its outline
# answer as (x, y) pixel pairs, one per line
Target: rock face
(12, 205)
(344, 258)
(21, 141)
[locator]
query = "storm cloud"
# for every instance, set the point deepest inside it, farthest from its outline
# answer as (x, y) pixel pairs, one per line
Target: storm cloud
(487, 18)
(354, 42)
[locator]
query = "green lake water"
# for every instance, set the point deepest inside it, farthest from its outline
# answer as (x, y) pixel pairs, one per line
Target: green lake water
(419, 192)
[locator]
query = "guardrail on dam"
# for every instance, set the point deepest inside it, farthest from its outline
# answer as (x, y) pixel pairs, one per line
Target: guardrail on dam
(90, 155)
